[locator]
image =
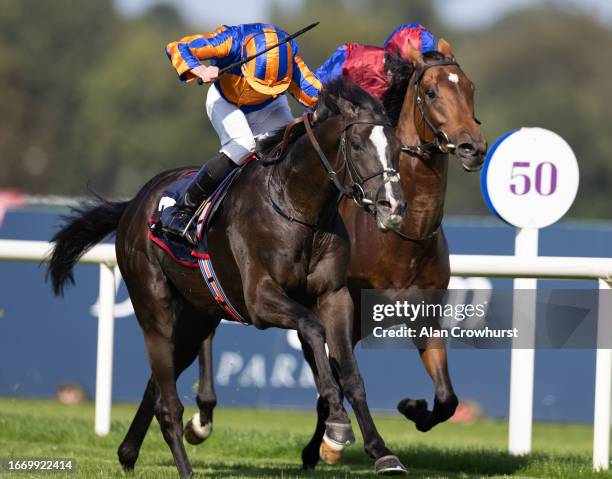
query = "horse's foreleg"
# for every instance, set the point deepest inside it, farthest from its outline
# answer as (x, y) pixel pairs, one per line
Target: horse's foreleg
(314, 451)
(271, 306)
(445, 401)
(338, 426)
(199, 427)
(336, 310)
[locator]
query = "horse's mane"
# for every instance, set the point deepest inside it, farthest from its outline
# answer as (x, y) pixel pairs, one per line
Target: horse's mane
(346, 89)
(332, 101)
(399, 72)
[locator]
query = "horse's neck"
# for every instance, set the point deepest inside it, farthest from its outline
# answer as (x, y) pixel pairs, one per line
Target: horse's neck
(423, 180)
(424, 185)
(302, 183)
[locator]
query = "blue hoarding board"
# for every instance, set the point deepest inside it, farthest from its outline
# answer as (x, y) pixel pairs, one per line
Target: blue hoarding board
(47, 341)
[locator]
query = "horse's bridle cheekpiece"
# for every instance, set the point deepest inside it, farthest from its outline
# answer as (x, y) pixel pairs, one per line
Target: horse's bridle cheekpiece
(355, 190)
(390, 175)
(441, 142)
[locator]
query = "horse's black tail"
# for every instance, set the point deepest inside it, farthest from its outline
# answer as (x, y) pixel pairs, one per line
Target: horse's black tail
(83, 229)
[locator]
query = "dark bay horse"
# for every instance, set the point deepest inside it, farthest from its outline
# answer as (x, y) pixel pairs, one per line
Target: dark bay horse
(278, 273)
(432, 102)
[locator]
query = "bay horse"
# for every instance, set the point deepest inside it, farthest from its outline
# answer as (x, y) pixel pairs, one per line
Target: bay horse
(431, 102)
(436, 118)
(280, 250)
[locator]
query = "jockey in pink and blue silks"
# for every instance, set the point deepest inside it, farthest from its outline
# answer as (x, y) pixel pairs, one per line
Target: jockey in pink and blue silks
(364, 64)
(242, 104)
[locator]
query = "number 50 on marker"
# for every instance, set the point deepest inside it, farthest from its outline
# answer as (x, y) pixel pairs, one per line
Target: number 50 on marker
(530, 178)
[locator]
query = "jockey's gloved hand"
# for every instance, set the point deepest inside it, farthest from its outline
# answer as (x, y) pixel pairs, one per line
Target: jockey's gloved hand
(208, 74)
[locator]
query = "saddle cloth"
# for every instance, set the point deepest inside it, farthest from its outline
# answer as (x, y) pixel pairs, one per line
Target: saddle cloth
(181, 250)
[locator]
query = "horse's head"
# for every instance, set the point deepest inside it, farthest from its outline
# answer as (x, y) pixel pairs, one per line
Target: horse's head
(368, 151)
(442, 100)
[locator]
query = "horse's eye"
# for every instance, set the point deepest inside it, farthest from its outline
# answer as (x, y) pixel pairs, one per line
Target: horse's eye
(431, 93)
(356, 144)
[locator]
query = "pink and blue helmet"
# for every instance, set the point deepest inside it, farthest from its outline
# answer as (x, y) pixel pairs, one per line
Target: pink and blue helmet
(365, 63)
(413, 34)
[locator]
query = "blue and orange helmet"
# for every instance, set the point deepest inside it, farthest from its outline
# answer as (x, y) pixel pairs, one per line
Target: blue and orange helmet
(413, 34)
(271, 72)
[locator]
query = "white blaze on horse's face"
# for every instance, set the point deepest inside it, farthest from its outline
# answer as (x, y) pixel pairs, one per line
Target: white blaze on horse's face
(453, 77)
(379, 140)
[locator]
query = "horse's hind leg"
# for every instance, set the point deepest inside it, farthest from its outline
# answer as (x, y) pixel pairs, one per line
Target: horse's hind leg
(445, 401)
(130, 447)
(199, 427)
(172, 343)
(169, 409)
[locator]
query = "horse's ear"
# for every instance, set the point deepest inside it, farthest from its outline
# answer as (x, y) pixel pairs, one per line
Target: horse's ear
(322, 112)
(412, 54)
(326, 107)
(445, 48)
(347, 108)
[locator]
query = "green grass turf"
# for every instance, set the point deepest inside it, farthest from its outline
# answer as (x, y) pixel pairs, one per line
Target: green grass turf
(265, 444)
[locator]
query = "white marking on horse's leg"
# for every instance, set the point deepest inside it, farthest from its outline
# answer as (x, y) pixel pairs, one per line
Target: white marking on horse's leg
(333, 445)
(378, 138)
(202, 431)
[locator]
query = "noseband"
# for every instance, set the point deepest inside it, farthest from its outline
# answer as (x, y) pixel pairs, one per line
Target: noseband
(355, 190)
(441, 141)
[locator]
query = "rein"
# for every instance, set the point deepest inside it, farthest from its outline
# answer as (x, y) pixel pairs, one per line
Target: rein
(355, 191)
(428, 236)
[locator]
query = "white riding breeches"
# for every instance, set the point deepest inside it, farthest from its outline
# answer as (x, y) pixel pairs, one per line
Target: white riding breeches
(237, 130)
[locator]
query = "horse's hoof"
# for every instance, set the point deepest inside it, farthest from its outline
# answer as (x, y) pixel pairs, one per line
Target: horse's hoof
(310, 457)
(127, 457)
(444, 410)
(389, 466)
(413, 409)
(329, 452)
(416, 411)
(195, 433)
(338, 434)
(307, 467)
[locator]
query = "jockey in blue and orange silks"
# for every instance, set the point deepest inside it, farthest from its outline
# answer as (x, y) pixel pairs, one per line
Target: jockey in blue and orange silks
(364, 64)
(245, 102)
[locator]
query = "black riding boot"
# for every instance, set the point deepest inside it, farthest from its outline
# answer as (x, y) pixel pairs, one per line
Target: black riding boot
(201, 187)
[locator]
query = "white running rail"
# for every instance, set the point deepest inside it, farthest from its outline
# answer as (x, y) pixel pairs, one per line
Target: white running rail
(599, 269)
(103, 255)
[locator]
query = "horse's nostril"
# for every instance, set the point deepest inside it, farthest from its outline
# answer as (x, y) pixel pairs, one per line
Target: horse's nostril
(466, 149)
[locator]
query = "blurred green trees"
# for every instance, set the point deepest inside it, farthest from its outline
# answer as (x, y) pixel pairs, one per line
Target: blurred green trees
(87, 95)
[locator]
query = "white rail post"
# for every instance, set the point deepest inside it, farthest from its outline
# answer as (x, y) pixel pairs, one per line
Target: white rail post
(104, 366)
(603, 381)
(522, 361)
